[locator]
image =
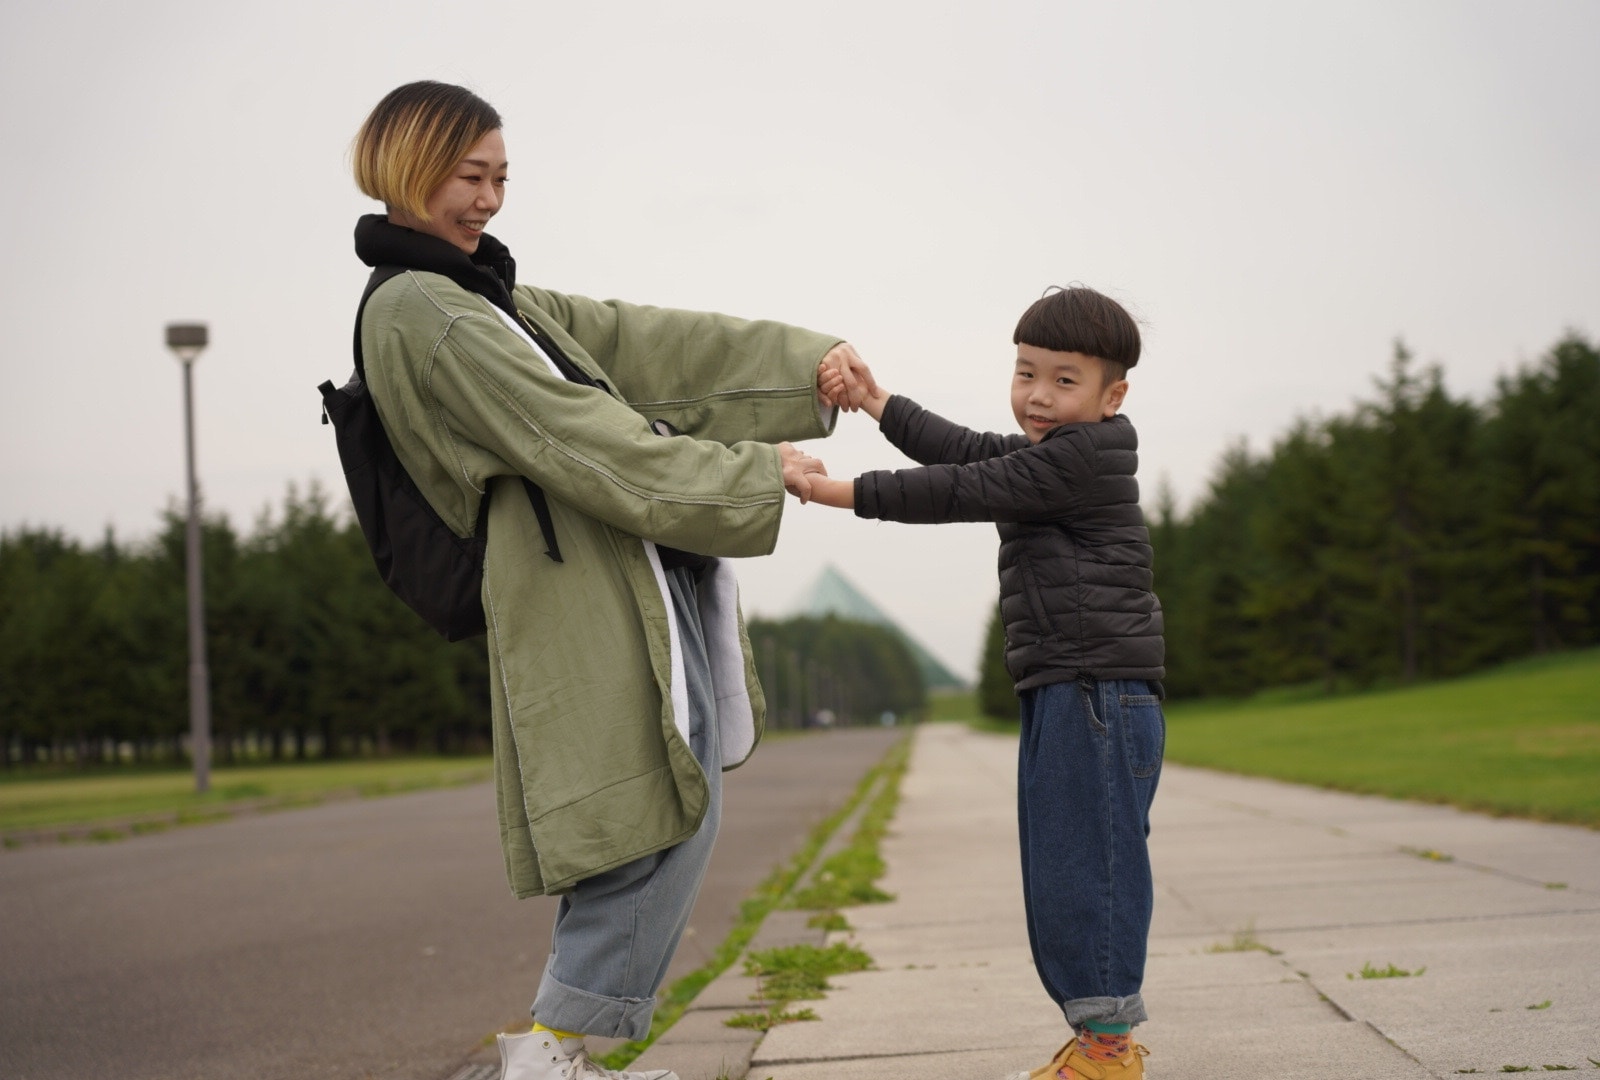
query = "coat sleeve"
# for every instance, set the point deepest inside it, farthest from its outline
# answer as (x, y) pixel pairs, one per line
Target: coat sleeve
(713, 376)
(494, 408)
(1033, 484)
(929, 439)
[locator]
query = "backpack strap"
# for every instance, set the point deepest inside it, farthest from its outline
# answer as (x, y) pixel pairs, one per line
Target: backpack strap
(536, 496)
(541, 510)
(379, 275)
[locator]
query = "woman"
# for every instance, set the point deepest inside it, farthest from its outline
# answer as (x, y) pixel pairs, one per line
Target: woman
(621, 676)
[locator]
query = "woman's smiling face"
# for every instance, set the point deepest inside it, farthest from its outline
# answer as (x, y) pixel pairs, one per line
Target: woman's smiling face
(460, 208)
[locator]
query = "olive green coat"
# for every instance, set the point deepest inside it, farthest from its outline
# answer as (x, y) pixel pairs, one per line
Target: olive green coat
(592, 766)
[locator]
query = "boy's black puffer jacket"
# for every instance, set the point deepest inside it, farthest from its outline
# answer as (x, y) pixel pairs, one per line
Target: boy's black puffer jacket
(1075, 582)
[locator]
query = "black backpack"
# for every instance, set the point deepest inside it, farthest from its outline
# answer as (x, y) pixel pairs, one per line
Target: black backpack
(437, 573)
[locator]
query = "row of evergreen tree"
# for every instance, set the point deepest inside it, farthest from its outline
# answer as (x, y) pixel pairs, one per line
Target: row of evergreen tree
(309, 654)
(830, 670)
(1418, 536)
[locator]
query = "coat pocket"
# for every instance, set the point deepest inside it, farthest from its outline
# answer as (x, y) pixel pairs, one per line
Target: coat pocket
(1030, 588)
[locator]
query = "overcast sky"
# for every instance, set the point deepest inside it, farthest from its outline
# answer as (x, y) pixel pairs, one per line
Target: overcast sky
(1277, 191)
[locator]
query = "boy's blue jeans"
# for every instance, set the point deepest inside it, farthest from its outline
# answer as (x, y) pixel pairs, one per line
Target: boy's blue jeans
(1087, 767)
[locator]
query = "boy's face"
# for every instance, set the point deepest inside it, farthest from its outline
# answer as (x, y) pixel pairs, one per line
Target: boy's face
(1052, 388)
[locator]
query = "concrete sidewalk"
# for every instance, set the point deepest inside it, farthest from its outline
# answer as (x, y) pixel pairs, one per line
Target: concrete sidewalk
(1271, 899)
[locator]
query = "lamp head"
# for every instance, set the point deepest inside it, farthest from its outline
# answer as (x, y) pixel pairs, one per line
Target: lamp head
(186, 340)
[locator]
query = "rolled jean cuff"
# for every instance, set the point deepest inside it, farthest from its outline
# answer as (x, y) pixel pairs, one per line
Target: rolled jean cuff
(1105, 1010)
(566, 1008)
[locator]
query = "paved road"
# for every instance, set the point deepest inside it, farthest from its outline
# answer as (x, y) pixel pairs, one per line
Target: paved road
(369, 939)
(1271, 899)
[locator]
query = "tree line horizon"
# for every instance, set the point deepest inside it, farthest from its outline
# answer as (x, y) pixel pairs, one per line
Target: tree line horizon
(310, 655)
(1415, 536)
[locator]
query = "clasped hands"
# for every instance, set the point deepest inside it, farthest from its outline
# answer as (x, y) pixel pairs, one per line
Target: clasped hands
(843, 381)
(798, 469)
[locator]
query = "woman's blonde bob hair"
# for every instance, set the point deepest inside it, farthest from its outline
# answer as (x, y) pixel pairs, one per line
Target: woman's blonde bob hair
(409, 144)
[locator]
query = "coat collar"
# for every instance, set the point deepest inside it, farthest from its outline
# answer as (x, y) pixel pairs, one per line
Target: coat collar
(1112, 427)
(490, 271)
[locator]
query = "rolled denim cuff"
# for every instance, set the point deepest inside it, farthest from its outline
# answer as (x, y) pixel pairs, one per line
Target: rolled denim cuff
(566, 1008)
(1105, 1010)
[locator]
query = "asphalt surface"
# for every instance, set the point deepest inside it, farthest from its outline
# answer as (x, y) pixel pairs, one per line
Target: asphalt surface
(365, 939)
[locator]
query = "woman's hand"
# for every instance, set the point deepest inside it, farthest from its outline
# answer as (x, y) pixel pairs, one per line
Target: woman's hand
(798, 468)
(830, 384)
(854, 379)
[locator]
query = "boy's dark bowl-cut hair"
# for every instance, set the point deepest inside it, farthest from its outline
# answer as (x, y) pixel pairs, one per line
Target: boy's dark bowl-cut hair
(1078, 319)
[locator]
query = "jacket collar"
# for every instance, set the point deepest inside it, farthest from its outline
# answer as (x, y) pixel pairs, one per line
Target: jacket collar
(490, 271)
(1112, 427)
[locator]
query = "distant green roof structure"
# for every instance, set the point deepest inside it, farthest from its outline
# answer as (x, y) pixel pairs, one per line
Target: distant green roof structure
(833, 594)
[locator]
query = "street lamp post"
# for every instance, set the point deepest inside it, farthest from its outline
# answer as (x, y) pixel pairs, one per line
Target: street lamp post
(187, 340)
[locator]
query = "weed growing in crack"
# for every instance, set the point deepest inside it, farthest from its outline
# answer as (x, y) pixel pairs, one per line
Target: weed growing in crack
(1244, 940)
(1369, 971)
(793, 973)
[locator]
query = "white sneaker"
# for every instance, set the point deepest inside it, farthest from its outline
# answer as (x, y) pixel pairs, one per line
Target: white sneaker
(539, 1055)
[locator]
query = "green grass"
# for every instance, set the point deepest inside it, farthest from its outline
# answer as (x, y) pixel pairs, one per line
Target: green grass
(830, 921)
(1244, 940)
(958, 705)
(845, 879)
(1369, 970)
(60, 801)
(1521, 740)
(850, 876)
(963, 708)
(769, 1018)
(793, 973)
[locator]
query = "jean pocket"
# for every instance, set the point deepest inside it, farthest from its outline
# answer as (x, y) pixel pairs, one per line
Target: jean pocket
(1086, 691)
(1144, 732)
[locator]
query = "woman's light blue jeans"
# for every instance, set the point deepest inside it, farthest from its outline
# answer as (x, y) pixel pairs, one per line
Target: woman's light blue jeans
(1087, 767)
(615, 933)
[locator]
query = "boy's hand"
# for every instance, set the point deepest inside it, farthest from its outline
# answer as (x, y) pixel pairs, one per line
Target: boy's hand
(852, 380)
(830, 384)
(840, 493)
(798, 468)
(874, 403)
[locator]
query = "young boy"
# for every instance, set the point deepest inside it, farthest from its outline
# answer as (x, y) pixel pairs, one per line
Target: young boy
(1083, 644)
